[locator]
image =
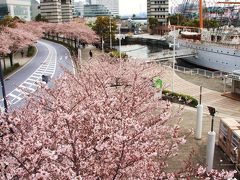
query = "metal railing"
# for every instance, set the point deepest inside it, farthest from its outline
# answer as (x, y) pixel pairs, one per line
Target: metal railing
(201, 72)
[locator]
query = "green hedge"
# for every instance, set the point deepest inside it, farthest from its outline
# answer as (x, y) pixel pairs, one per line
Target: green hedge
(31, 51)
(180, 98)
(11, 69)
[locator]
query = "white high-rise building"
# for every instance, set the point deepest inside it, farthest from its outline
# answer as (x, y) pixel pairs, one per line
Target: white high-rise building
(19, 8)
(159, 10)
(111, 5)
(57, 10)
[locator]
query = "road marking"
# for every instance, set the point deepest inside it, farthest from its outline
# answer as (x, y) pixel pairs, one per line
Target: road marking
(48, 67)
(14, 96)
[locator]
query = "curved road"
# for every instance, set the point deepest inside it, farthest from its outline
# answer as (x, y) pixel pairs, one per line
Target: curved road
(51, 60)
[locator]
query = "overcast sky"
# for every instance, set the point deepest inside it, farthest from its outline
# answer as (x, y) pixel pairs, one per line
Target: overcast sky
(132, 6)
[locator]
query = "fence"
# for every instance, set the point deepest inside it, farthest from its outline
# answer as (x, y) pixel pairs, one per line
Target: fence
(201, 72)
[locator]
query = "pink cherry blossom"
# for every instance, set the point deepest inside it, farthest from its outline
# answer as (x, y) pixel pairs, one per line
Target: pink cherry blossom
(103, 123)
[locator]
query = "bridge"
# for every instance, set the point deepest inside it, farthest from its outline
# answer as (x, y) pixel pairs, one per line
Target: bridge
(168, 55)
(135, 18)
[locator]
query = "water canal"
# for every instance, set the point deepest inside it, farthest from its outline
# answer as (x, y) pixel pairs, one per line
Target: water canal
(141, 51)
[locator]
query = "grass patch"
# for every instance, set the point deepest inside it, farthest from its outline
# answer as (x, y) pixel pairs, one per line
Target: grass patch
(9, 70)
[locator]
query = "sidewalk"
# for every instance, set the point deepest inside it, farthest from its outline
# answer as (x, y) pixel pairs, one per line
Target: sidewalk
(226, 107)
(17, 58)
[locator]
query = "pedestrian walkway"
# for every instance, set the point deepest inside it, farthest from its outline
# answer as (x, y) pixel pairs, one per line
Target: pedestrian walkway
(225, 106)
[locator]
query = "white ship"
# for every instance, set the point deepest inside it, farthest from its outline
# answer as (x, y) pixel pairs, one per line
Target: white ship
(215, 49)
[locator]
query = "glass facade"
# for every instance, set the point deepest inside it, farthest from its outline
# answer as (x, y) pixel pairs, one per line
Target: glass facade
(21, 11)
(3, 10)
(16, 8)
(96, 10)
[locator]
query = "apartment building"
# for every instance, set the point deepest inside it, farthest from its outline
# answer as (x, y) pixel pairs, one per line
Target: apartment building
(158, 9)
(56, 11)
(19, 8)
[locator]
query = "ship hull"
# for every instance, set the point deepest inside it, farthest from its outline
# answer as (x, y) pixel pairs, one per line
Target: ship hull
(213, 56)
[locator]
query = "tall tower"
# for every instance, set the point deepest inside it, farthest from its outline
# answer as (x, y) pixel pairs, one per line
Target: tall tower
(159, 10)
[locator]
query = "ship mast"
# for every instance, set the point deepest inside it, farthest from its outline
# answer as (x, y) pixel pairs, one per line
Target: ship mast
(201, 14)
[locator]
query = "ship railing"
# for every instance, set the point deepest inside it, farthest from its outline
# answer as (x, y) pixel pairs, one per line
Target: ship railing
(219, 44)
(201, 72)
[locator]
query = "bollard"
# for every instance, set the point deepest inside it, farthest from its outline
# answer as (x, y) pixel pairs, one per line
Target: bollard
(198, 131)
(210, 150)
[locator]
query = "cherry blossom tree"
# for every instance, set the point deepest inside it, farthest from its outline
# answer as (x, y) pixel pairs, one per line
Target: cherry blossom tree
(104, 123)
(73, 31)
(19, 35)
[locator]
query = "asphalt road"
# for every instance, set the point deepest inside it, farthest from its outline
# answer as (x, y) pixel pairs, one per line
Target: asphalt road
(51, 60)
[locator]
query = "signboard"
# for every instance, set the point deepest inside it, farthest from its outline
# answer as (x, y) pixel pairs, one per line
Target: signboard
(158, 83)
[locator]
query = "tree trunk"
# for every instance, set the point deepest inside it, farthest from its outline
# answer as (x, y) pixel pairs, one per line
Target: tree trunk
(4, 63)
(10, 55)
(75, 42)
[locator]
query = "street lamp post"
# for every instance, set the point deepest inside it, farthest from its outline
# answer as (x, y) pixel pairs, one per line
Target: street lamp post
(120, 37)
(79, 53)
(2, 85)
(110, 32)
(211, 141)
(174, 55)
(102, 45)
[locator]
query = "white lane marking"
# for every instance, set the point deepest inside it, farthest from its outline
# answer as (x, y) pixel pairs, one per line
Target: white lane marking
(66, 57)
(48, 67)
(14, 96)
(60, 58)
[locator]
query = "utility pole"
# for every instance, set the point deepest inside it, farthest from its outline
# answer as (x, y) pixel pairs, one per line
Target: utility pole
(110, 32)
(2, 85)
(174, 55)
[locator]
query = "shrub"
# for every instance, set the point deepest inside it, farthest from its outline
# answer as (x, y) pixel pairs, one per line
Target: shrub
(180, 98)
(117, 54)
(31, 51)
(11, 69)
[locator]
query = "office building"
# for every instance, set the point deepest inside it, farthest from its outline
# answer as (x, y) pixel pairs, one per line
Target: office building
(95, 10)
(19, 8)
(159, 10)
(35, 9)
(78, 9)
(111, 5)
